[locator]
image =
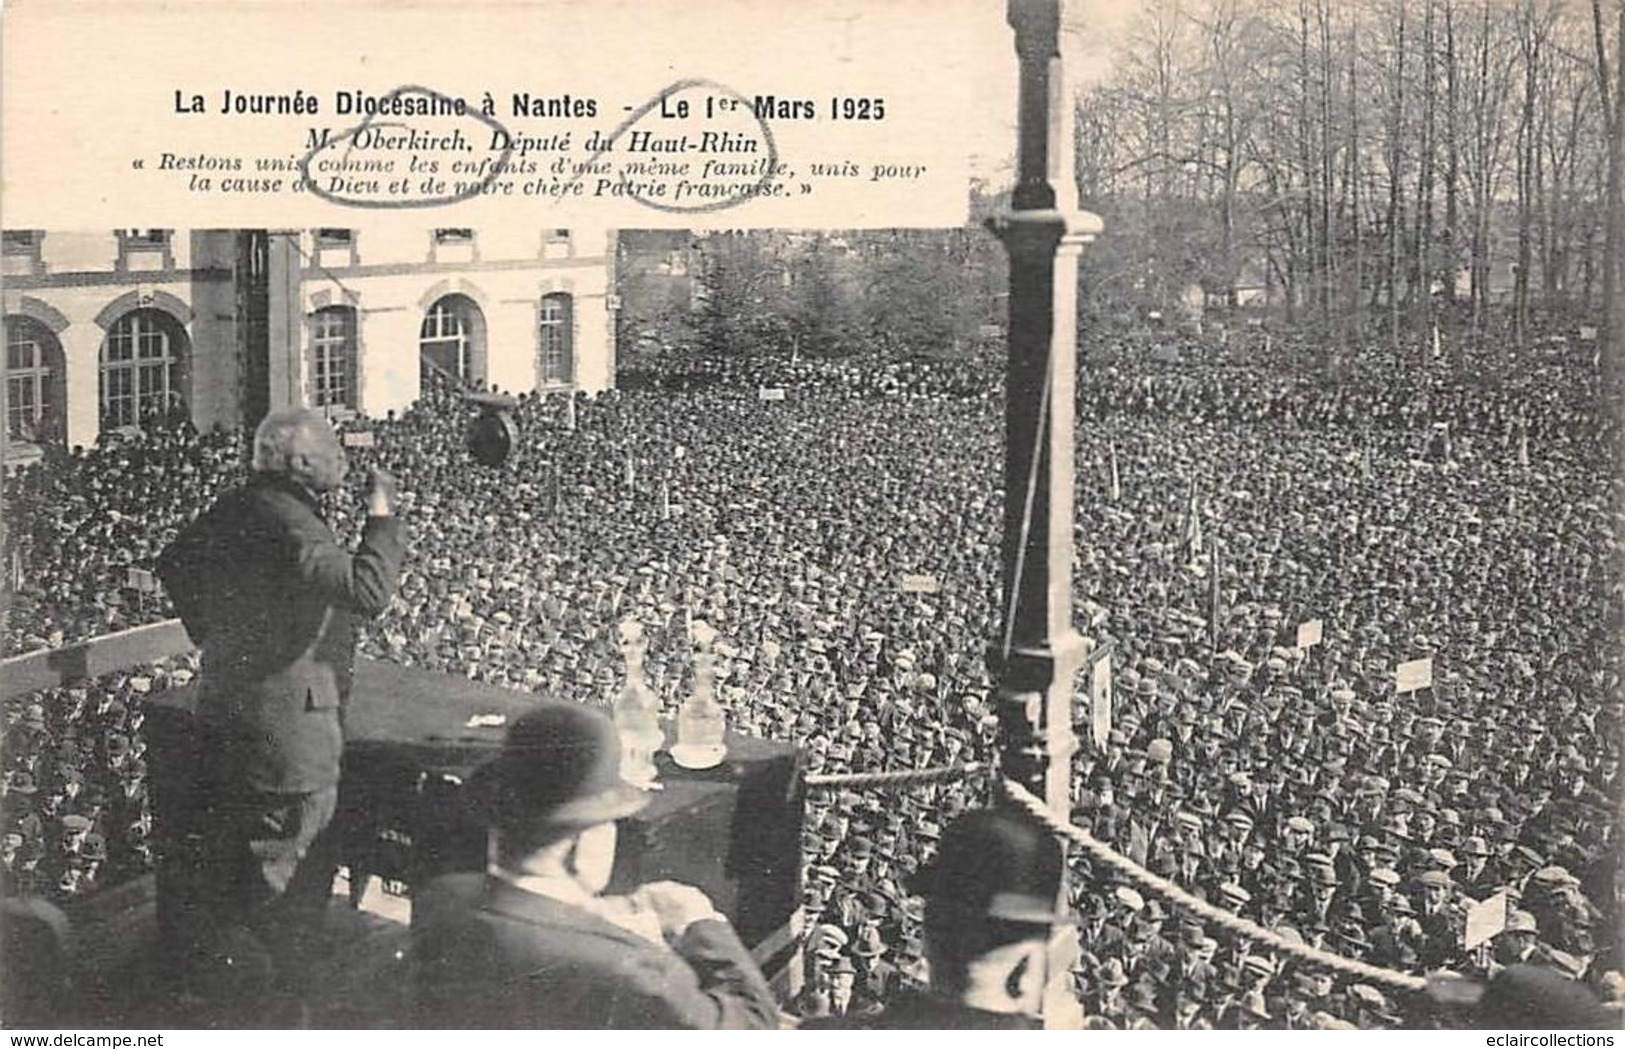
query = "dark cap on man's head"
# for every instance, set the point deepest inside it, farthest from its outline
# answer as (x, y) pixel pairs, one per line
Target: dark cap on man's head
(559, 771)
(995, 864)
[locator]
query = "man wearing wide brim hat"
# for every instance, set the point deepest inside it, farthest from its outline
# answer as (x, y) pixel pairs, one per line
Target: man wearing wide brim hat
(533, 942)
(991, 898)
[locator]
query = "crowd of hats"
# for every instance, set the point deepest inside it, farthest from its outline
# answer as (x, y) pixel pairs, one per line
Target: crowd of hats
(1296, 789)
(871, 375)
(74, 808)
(1243, 382)
(79, 521)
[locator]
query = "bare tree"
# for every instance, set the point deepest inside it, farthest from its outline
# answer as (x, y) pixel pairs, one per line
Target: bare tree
(1366, 159)
(1611, 90)
(1420, 280)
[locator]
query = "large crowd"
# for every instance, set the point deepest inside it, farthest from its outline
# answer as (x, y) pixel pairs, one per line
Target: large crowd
(1415, 515)
(76, 807)
(872, 374)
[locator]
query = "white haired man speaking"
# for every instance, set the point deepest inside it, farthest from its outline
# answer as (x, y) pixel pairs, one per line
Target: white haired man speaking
(265, 590)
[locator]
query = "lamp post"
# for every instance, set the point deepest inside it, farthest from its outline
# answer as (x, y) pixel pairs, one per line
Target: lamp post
(1038, 654)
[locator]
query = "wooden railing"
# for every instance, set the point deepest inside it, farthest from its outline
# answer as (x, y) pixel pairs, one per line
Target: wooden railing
(89, 659)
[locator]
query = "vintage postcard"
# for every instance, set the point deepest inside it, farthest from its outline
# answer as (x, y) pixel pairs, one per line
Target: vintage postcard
(542, 514)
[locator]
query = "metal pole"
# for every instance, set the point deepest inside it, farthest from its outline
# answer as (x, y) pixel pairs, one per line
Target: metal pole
(1038, 655)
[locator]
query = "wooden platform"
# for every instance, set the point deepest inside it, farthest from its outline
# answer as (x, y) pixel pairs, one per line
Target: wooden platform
(119, 978)
(734, 831)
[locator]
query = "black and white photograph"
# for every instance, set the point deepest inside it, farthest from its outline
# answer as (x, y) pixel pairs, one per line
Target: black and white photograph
(1185, 595)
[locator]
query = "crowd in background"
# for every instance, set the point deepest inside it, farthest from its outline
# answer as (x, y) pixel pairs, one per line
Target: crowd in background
(1292, 786)
(78, 521)
(74, 802)
(874, 374)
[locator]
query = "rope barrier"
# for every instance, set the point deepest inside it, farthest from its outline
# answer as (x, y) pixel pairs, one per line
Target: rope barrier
(902, 778)
(1104, 854)
(1207, 912)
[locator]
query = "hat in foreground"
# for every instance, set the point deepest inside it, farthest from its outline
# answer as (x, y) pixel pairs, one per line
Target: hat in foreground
(559, 771)
(998, 865)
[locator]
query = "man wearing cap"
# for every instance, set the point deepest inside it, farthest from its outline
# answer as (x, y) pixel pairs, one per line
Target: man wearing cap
(534, 943)
(843, 982)
(1519, 942)
(1106, 996)
(1479, 874)
(825, 944)
(876, 975)
(265, 590)
(1255, 875)
(1442, 921)
(1147, 944)
(991, 899)
(1297, 835)
(1193, 969)
(1249, 1005)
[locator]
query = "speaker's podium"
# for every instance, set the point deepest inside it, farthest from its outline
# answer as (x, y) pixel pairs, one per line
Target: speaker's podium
(413, 737)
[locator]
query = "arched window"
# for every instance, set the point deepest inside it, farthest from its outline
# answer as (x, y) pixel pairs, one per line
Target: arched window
(141, 375)
(453, 339)
(333, 358)
(34, 403)
(556, 348)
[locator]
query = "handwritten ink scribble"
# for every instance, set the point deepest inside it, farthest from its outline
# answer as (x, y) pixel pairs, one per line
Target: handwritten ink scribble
(644, 110)
(472, 190)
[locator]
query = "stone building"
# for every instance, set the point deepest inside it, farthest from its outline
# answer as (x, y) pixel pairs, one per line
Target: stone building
(116, 328)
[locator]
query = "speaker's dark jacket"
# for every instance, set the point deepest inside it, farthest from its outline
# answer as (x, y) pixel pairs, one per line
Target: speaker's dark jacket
(263, 587)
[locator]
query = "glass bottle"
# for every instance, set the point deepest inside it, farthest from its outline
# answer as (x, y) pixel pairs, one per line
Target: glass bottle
(636, 712)
(701, 724)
